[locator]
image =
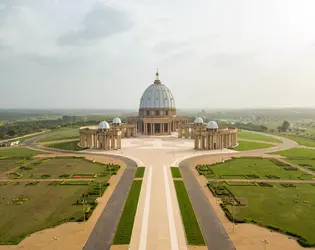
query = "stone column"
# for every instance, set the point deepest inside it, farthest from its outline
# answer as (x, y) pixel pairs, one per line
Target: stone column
(186, 132)
(112, 139)
(108, 142)
(104, 142)
(118, 142)
(202, 142)
(153, 126)
(196, 142)
(169, 128)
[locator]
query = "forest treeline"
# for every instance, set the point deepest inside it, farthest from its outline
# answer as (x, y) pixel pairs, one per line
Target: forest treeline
(20, 128)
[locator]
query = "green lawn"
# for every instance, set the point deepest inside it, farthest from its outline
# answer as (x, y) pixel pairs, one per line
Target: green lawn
(247, 145)
(11, 163)
(139, 172)
(61, 135)
(18, 152)
(289, 209)
(69, 145)
(64, 167)
(297, 153)
(257, 137)
(308, 164)
(251, 168)
(175, 172)
(193, 233)
(47, 206)
(300, 140)
(124, 229)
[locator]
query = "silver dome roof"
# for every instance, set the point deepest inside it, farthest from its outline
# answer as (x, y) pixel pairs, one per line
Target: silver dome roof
(116, 120)
(198, 120)
(212, 125)
(103, 125)
(157, 95)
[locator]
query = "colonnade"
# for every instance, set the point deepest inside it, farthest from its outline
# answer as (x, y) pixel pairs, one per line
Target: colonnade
(209, 140)
(188, 131)
(129, 130)
(106, 140)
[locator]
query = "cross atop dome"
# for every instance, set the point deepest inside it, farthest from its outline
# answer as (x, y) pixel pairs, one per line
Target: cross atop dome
(157, 79)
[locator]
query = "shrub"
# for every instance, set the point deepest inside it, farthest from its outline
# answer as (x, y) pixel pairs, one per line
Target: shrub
(288, 185)
(269, 176)
(25, 168)
(251, 176)
(64, 176)
(264, 184)
(45, 176)
(32, 183)
(305, 165)
(291, 169)
(279, 163)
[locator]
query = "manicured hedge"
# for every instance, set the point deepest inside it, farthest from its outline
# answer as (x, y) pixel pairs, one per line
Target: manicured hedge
(193, 233)
(124, 229)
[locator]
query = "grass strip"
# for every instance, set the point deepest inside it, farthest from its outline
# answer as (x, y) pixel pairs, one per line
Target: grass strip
(124, 229)
(72, 145)
(192, 229)
(175, 172)
(140, 172)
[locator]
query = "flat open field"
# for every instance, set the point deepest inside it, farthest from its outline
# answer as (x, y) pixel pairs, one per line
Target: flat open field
(61, 135)
(252, 168)
(46, 206)
(18, 152)
(64, 167)
(68, 145)
(297, 153)
(290, 209)
(257, 137)
(248, 145)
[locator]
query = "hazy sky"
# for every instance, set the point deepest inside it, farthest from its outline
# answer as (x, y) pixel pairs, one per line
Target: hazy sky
(210, 53)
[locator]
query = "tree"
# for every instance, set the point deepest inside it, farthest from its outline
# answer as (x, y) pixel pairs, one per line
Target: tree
(284, 127)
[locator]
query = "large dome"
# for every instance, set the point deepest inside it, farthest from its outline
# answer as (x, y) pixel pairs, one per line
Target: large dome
(157, 95)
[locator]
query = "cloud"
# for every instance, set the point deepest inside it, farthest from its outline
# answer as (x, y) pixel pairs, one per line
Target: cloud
(168, 46)
(101, 22)
(229, 60)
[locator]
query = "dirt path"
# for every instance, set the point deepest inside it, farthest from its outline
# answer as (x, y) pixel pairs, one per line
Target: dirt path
(244, 236)
(263, 180)
(71, 235)
(53, 179)
(21, 137)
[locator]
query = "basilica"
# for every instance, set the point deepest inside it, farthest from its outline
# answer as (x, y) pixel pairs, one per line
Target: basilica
(157, 117)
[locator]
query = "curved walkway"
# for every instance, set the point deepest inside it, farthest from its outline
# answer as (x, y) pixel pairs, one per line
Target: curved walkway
(215, 235)
(158, 232)
(104, 230)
